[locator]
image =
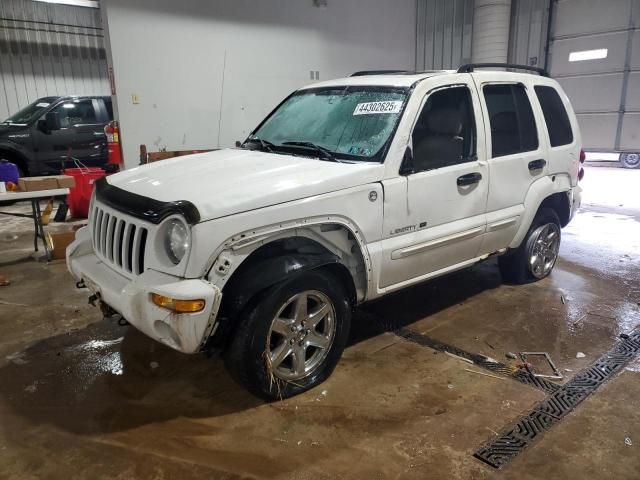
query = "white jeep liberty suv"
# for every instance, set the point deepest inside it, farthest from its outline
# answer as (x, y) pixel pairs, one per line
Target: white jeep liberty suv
(350, 189)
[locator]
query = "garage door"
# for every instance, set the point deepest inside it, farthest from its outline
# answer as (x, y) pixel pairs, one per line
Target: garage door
(595, 55)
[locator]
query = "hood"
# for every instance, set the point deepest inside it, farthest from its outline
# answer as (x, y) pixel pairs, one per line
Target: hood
(230, 181)
(6, 131)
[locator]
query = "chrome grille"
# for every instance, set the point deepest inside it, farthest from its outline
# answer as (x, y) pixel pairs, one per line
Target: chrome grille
(118, 241)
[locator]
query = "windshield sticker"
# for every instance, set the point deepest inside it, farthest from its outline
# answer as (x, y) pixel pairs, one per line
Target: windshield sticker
(372, 108)
(42, 105)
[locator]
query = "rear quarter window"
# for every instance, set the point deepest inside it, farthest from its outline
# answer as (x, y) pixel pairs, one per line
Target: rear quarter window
(555, 116)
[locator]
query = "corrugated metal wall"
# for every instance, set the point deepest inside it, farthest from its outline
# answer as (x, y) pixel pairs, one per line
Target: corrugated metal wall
(528, 33)
(49, 49)
(443, 37)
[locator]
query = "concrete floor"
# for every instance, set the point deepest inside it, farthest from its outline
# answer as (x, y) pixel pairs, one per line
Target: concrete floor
(83, 398)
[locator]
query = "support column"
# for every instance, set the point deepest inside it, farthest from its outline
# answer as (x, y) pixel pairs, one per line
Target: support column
(490, 38)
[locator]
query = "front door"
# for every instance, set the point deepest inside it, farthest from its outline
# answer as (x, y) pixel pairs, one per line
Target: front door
(434, 217)
(81, 136)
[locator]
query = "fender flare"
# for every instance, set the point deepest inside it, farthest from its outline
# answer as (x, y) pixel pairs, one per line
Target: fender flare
(537, 193)
(245, 285)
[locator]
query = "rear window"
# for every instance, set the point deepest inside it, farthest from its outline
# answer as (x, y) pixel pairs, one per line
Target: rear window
(513, 126)
(107, 103)
(555, 116)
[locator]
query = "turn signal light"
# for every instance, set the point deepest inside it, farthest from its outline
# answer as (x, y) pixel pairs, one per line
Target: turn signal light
(178, 306)
(583, 156)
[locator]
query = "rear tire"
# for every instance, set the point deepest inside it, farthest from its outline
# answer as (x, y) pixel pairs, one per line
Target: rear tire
(536, 256)
(630, 160)
(291, 336)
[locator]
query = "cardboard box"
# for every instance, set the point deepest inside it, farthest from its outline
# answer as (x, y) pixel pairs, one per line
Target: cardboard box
(59, 243)
(65, 181)
(32, 184)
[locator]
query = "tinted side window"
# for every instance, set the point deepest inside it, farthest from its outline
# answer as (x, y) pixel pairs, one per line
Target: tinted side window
(555, 116)
(513, 126)
(76, 113)
(445, 131)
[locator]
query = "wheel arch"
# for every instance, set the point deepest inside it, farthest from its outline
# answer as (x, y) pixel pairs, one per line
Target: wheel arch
(16, 157)
(331, 245)
(549, 192)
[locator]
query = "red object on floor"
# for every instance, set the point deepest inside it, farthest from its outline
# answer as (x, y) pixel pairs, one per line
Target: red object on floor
(80, 195)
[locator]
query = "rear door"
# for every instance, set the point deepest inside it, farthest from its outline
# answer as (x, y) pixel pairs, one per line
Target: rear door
(81, 136)
(517, 153)
(434, 217)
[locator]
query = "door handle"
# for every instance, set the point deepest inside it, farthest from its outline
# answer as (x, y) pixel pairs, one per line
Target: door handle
(537, 164)
(469, 179)
(98, 134)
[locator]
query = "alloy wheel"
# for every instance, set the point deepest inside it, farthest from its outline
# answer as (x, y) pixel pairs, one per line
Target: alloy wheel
(544, 249)
(301, 335)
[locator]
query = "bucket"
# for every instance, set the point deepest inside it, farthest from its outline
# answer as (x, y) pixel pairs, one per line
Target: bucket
(80, 195)
(8, 171)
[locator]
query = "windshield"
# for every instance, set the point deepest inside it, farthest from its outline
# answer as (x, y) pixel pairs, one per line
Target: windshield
(353, 123)
(27, 114)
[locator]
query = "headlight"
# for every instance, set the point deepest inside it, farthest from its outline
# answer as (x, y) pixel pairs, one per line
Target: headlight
(176, 240)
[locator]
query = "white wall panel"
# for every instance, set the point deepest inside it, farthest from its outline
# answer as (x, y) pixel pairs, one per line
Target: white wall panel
(580, 90)
(581, 17)
(48, 49)
(207, 71)
(630, 136)
(633, 93)
(598, 130)
(608, 85)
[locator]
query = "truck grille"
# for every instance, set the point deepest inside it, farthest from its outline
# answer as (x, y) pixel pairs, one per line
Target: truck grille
(117, 241)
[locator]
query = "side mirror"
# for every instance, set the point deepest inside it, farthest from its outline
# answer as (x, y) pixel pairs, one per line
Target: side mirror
(407, 162)
(52, 121)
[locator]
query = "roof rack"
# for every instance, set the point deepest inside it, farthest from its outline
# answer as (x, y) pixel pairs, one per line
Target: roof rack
(470, 67)
(381, 72)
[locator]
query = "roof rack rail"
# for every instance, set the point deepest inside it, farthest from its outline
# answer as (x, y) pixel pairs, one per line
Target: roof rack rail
(470, 67)
(380, 72)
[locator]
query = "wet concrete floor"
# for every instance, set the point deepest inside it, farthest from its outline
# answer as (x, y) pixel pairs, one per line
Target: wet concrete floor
(84, 398)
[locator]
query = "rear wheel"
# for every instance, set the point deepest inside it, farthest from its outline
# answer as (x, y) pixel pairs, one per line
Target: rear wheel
(537, 255)
(291, 337)
(630, 160)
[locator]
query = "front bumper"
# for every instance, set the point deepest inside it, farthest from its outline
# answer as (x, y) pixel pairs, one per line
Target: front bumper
(186, 332)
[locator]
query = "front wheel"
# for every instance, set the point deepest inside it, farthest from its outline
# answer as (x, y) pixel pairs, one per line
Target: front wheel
(537, 255)
(291, 337)
(630, 160)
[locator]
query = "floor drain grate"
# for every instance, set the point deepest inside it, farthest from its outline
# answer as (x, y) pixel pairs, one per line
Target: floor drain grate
(481, 361)
(512, 440)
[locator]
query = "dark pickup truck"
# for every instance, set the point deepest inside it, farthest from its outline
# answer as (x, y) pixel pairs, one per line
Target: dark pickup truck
(40, 138)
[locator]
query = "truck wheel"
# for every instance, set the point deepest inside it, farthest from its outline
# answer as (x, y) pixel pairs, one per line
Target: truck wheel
(537, 254)
(630, 160)
(291, 337)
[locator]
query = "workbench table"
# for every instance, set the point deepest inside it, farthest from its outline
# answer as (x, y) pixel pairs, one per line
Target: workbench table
(34, 198)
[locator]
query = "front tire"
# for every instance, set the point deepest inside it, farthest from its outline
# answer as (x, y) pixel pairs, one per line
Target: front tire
(536, 256)
(291, 336)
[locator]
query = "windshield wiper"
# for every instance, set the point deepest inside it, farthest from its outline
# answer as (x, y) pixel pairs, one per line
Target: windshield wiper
(324, 153)
(264, 144)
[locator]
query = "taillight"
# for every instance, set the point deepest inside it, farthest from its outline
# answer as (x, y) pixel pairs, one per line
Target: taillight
(583, 156)
(580, 174)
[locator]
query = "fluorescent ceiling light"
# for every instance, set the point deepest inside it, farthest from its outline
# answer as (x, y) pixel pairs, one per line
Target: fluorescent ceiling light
(588, 55)
(75, 3)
